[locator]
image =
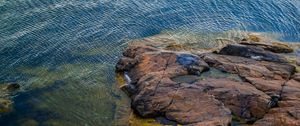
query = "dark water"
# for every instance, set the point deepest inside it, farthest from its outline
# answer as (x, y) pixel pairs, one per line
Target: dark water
(63, 52)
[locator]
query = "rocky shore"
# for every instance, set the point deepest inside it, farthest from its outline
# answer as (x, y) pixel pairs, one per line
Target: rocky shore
(248, 81)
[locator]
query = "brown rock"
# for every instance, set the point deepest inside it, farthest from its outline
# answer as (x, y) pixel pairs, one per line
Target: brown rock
(291, 92)
(180, 102)
(134, 50)
(154, 61)
(125, 64)
(191, 105)
(288, 113)
(271, 87)
(248, 67)
(157, 94)
(280, 117)
(168, 84)
(243, 99)
(265, 76)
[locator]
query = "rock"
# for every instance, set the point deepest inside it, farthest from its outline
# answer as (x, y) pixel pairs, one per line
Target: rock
(169, 62)
(288, 113)
(194, 64)
(134, 50)
(252, 52)
(179, 86)
(157, 94)
(254, 37)
(5, 106)
(189, 79)
(7, 90)
(129, 89)
(243, 99)
(191, 105)
(291, 92)
(265, 76)
(280, 117)
(125, 64)
(269, 86)
(274, 47)
(246, 67)
(176, 47)
(12, 86)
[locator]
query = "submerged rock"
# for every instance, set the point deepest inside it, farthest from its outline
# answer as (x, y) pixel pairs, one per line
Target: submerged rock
(6, 92)
(5, 106)
(12, 87)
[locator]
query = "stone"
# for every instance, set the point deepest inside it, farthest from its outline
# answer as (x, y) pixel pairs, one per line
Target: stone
(298, 62)
(243, 99)
(288, 111)
(125, 64)
(191, 105)
(184, 104)
(275, 47)
(134, 50)
(265, 76)
(291, 92)
(189, 79)
(179, 86)
(176, 47)
(254, 37)
(246, 67)
(280, 117)
(7, 90)
(177, 63)
(157, 94)
(252, 52)
(5, 106)
(12, 86)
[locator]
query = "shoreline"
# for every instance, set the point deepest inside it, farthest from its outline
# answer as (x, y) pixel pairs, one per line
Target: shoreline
(144, 58)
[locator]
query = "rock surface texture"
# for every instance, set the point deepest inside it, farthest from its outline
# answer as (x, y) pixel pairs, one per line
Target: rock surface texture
(171, 84)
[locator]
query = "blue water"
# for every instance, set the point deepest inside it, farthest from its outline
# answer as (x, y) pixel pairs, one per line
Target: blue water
(41, 39)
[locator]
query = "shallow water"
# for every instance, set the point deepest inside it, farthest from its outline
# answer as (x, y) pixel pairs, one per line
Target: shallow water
(63, 52)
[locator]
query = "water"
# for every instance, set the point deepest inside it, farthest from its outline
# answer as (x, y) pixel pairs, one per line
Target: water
(63, 52)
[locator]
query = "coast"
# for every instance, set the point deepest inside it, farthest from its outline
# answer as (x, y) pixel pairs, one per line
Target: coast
(252, 80)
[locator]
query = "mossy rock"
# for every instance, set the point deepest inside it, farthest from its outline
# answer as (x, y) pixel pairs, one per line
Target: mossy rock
(176, 47)
(135, 120)
(254, 38)
(5, 106)
(28, 122)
